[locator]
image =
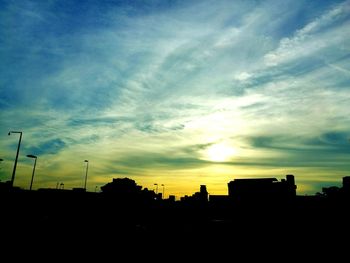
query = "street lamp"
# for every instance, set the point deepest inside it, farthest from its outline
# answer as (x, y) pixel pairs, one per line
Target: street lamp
(163, 192)
(156, 188)
(34, 157)
(15, 165)
(87, 168)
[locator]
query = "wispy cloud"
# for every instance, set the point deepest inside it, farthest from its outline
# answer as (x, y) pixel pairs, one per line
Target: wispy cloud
(48, 147)
(326, 30)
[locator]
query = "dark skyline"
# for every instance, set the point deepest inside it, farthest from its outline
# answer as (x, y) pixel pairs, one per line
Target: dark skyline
(179, 93)
(262, 216)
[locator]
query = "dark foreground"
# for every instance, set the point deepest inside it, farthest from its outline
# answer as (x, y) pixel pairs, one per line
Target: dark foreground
(82, 224)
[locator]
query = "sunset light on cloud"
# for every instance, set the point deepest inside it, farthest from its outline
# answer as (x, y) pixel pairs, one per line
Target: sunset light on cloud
(180, 93)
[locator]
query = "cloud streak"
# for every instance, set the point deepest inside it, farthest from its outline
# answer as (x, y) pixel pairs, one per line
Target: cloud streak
(48, 147)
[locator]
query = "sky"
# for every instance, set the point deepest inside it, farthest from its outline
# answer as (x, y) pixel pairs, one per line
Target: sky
(179, 93)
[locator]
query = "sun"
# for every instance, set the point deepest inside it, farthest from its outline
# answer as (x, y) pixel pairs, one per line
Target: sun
(220, 152)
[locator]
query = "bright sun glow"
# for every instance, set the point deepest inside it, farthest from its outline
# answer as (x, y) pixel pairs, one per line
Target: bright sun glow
(220, 152)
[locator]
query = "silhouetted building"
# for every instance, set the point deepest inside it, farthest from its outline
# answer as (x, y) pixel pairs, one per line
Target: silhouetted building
(346, 184)
(159, 196)
(197, 197)
(185, 198)
(262, 189)
(219, 200)
(126, 190)
(203, 193)
(171, 198)
(331, 192)
(7, 186)
(121, 186)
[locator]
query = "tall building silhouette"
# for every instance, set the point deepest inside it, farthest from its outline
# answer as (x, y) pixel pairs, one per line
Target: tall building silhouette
(203, 193)
(346, 184)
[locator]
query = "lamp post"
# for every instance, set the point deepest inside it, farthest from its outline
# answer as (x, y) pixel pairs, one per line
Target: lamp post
(163, 192)
(87, 168)
(34, 157)
(15, 165)
(156, 188)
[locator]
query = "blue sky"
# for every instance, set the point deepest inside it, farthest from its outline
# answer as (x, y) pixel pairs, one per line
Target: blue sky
(176, 92)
